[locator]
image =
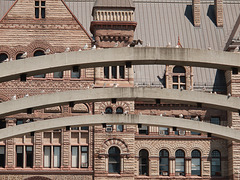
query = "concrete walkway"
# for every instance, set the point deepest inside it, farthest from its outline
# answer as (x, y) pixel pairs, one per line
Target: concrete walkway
(122, 94)
(118, 56)
(90, 120)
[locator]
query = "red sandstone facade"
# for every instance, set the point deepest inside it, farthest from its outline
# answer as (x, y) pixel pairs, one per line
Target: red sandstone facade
(84, 153)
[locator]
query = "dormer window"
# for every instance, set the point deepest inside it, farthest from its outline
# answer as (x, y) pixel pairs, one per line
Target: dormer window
(40, 9)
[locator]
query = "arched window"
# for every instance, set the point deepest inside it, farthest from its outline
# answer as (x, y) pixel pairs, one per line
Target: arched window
(180, 163)
(119, 110)
(179, 77)
(164, 162)
(143, 162)
(114, 160)
(196, 163)
(3, 57)
(216, 163)
(108, 110)
(39, 53)
(19, 56)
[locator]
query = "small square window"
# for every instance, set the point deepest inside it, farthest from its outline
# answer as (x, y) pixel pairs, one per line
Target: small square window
(182, 79)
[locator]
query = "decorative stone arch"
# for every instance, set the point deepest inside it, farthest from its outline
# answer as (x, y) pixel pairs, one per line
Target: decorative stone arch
(80, 108)
(20, 49)
(39, 45)
(186, 152)
(124, 105)
(6, 50)
(138, 149)
(37, 178)
(166, 148)
(4, 98)
(114, 142)
(195, 148)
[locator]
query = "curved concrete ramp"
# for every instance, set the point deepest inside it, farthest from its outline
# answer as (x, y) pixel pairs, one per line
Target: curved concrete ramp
(119, 56)
(129, 94)
(90, 120)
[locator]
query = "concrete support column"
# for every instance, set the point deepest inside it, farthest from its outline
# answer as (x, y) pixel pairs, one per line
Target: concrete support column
(188, 166)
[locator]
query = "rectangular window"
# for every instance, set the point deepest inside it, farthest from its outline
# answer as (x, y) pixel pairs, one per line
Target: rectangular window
(58, 74)
(75, 156)
(19, 121)
(163, 131)
(143, 130)
(2, 156)
(2, 123)
(74, 128)
(121, 72)
(196, 166)
(84, 156)
(114, 72)
(106, 72)
(215, 120)
(40, 9)
(84, 128)
(29, 156)
(56, 156)
(120, 128)
(75, 74)
(19, 154)
(47, 156)
(179, 166)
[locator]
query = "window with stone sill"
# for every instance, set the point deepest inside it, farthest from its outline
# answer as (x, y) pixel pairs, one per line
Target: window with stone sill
(164, 163)
(39, 53)
(180, 163)
(24, 156)
(196, 163)
(52, 156)
(2, 156)
(179, 78)
(215, 163)
(82, 159)
(40, 9)
(143, 162)
(114, 160)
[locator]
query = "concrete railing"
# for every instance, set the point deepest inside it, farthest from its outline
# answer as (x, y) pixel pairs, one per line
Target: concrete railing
(91, 120)
(199, 99)
(118, 56)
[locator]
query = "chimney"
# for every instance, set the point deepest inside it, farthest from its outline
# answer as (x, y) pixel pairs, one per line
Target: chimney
(196, 13)
(218, 8)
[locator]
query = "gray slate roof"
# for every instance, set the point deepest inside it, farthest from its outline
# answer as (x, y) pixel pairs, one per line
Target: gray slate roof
(163, 21)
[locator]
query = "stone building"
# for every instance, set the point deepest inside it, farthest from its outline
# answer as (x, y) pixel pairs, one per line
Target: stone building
(41, 27)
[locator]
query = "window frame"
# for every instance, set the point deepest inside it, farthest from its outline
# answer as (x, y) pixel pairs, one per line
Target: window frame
(217, 173)
(143, 172)
(161, 171)
(40, 9)
(193, 156)
(115, 164)
(182, 158)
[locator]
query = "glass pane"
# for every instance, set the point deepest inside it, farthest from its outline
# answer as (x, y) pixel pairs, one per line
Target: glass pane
(121, 72)
(43, 3)
(57, 156)
(106, 72)
(58, 74)
(19, 56)
(114, 72)
(175, 86)
(2, 156)
(19, 150)
(75, 74)
(120, 128)
(182, 79)
(29, 158)
(43, 12)
(84, 128)
(179, 164)
(19, 121)
(183, 87)
(84, 160)
(47, 156)
(3, 57)
(175, 79)
(36, 12)
(119, 110)
(36, 3)
(215, 120)
(75, 157)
